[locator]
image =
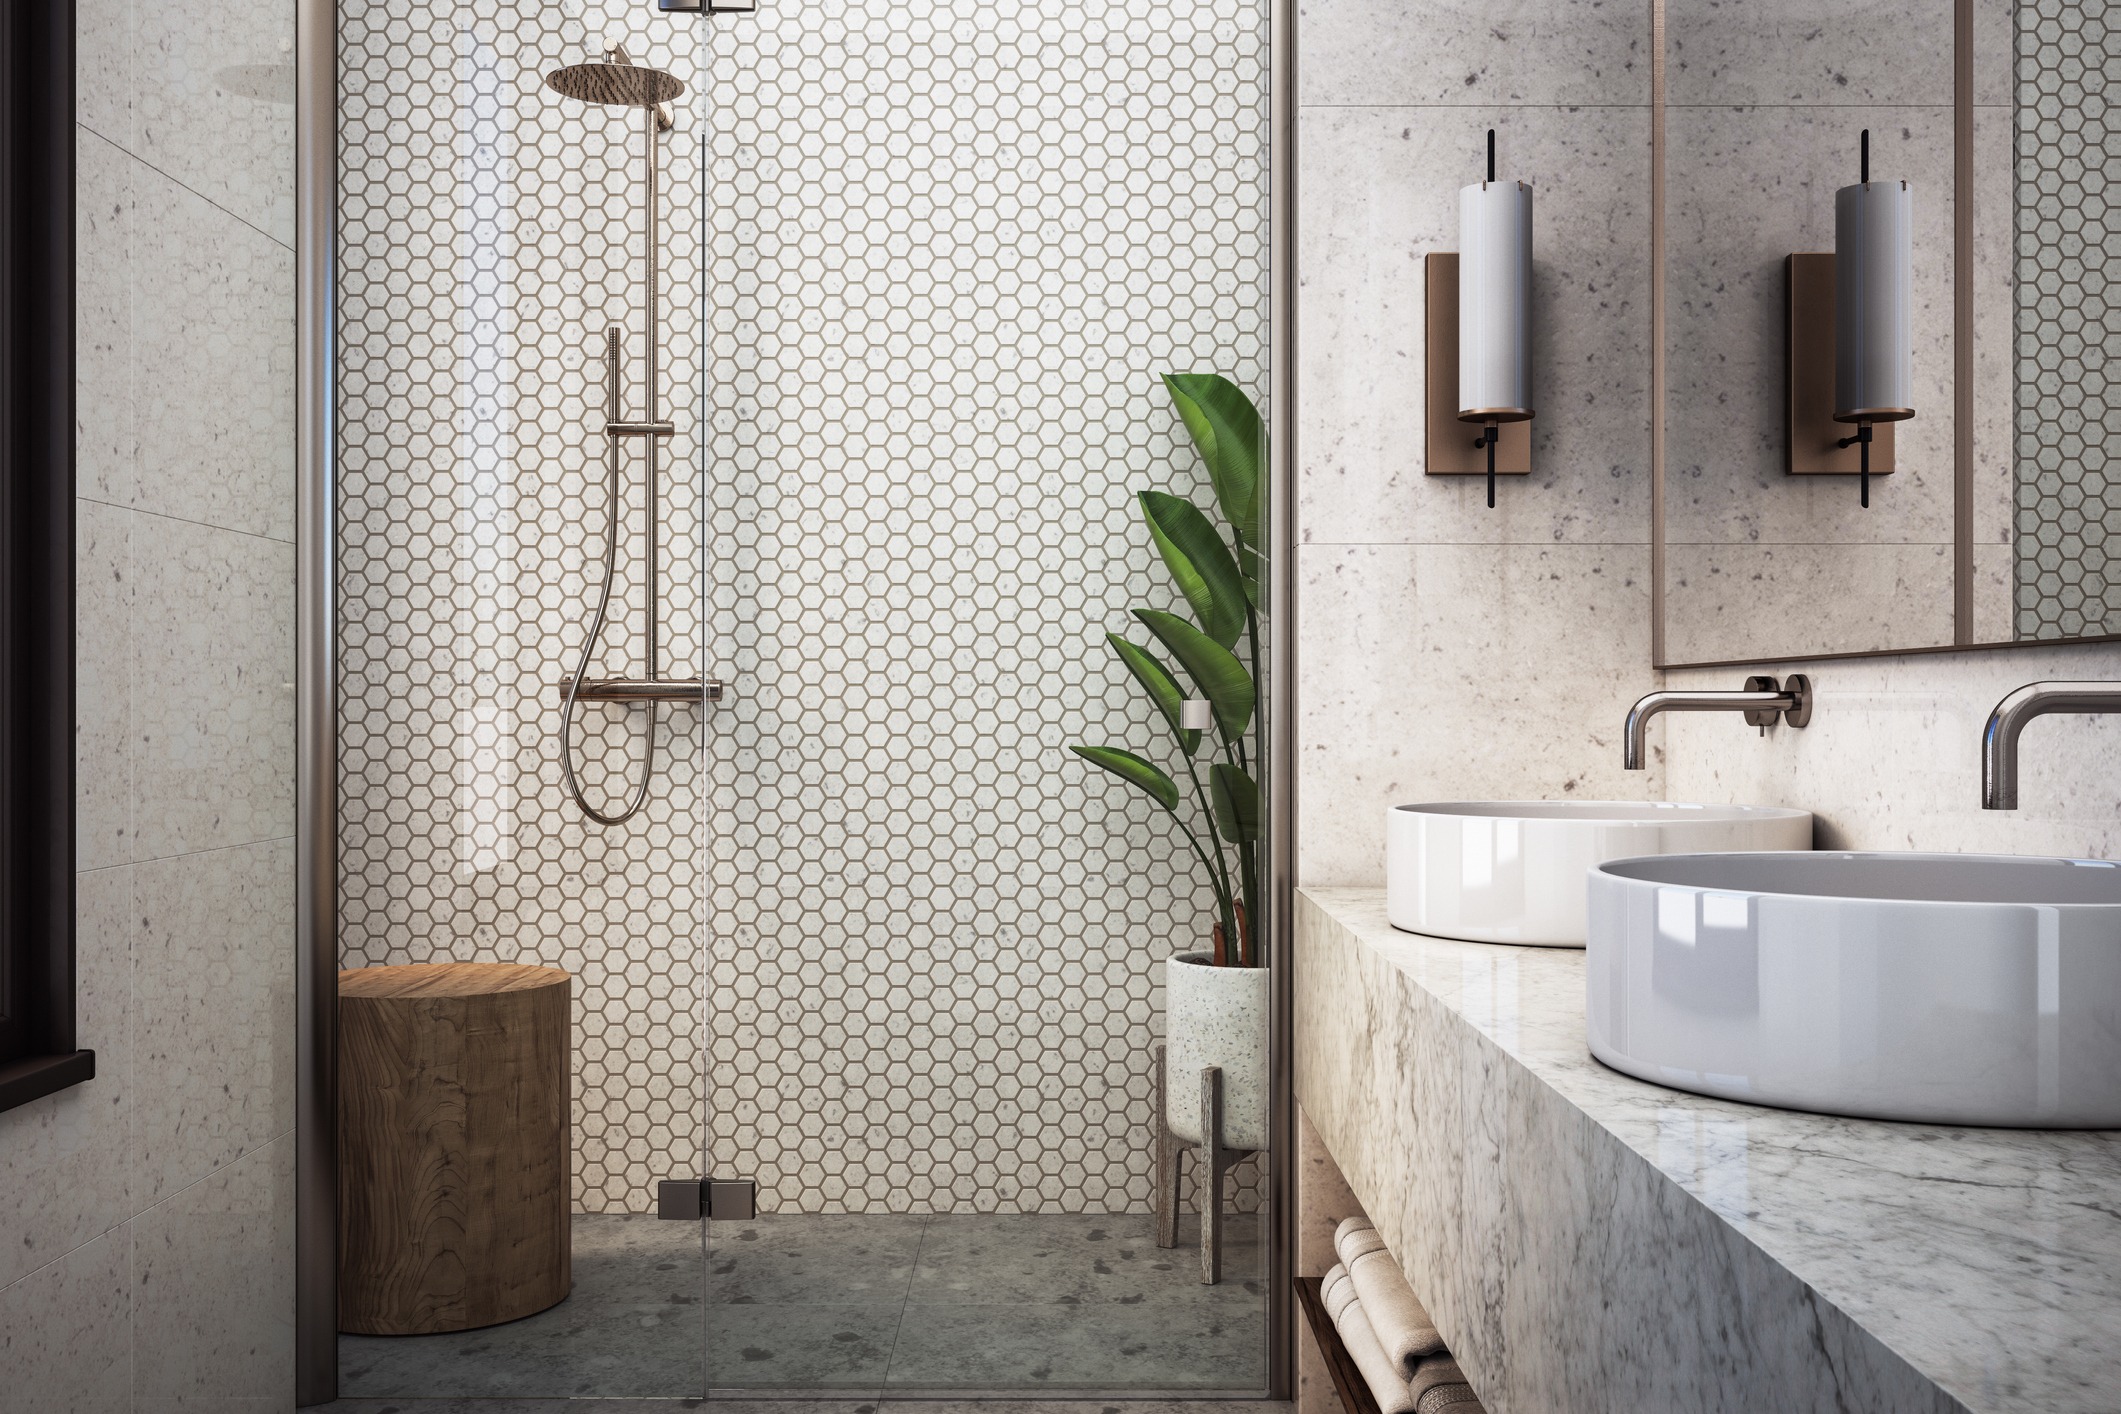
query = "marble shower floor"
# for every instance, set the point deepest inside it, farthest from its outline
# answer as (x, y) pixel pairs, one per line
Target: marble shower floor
(857, 1306)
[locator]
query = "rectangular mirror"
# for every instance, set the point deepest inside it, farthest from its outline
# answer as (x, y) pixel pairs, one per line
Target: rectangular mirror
(1987, 507)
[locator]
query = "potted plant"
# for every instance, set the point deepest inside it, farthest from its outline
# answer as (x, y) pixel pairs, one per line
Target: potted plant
(1215, 998)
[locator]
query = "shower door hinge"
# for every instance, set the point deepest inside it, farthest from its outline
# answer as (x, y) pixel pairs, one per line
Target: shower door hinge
(722, 1199)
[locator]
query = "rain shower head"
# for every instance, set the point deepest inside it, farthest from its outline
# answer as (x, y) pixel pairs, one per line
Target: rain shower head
(622, 85)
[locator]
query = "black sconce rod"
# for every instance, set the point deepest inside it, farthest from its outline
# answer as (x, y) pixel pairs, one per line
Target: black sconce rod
(1862, 441)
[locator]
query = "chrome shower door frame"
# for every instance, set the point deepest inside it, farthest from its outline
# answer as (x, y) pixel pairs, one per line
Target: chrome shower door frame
(316, 704)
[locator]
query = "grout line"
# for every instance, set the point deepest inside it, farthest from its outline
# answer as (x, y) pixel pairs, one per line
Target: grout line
(184, 520)
(184, 186)
(143, 1212)
(187, 853)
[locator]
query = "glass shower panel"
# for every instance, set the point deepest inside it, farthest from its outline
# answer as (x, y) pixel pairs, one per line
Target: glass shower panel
(954, 247)
(493, 229)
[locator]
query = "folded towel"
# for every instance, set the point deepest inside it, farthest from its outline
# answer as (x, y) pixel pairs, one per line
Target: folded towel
(1440, 1386)
(1397, 1317)
(1387, 1385)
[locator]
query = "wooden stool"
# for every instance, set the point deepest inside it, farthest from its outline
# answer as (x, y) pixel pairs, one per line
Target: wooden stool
(455, 1154)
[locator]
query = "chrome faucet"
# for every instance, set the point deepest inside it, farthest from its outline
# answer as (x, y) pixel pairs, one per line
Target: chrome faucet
(1999, 741)
(1762, 701)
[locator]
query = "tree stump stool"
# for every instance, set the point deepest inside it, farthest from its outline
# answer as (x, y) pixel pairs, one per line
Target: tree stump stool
(455, 1154)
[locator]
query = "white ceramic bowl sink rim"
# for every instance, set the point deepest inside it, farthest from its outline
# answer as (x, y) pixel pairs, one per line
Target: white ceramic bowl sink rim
(1516, 871)
(1602, 812)
(1719, 875)
(1963, 989)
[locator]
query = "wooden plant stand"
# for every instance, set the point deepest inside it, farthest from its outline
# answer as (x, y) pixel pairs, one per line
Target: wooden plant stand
(1215, 1161)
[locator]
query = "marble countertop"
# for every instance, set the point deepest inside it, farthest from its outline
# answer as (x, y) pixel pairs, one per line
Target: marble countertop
(1987, 1259)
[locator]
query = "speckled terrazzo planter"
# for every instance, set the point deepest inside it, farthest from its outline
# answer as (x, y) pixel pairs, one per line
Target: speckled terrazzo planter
(1216, 1016)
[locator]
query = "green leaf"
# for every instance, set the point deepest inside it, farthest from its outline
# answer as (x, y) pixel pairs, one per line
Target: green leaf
(1163, 688)
(1134, 771)
(1235, 798)
(1213, 668)
(1226, 428)
(1200, 562)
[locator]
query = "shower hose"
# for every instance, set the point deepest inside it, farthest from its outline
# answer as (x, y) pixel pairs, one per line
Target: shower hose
(596, 623)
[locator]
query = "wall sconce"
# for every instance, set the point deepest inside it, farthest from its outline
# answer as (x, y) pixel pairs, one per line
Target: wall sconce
(1480, 335)
(1851, 346)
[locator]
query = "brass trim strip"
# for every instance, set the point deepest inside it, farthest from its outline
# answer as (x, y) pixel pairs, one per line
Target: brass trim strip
(1963, 323)
(1279, 775)
(316, 921)
(1657, 361)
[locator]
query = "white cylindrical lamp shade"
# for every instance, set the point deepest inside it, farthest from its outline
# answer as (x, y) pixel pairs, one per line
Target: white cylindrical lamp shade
(1495, 302)
(1874, 260)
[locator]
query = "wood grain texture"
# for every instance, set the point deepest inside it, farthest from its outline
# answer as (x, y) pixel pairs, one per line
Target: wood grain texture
(454, 1145)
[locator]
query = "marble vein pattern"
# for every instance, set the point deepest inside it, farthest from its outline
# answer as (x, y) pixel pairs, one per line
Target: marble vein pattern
(1590, 1242)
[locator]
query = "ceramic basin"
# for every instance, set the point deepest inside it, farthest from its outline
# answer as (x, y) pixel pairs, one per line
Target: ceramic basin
(1943, 988)
(1512, 871)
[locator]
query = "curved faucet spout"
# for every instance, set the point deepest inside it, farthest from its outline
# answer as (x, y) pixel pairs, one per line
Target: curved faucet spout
(1762, 701)
(1999, 740)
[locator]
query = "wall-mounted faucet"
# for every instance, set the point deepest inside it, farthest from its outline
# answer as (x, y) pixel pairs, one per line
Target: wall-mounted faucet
(1999, 742)
(1762, 701)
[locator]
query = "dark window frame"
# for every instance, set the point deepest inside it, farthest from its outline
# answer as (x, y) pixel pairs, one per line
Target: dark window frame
(37, 1051)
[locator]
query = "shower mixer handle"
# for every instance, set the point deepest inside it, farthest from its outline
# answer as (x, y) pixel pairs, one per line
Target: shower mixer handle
(646, 689)
(614, 428)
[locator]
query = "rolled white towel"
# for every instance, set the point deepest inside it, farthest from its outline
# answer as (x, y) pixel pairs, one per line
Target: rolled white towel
(1397, 1317)
(1387, 1385)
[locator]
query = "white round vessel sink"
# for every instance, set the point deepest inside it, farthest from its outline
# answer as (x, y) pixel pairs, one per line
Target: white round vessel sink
(1513, 871)
(1942, 988)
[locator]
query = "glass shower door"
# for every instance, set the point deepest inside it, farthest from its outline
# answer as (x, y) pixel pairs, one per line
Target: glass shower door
(953, 250)
(494, 231)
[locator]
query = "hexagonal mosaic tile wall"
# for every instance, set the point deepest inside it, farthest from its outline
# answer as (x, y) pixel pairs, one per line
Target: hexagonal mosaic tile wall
(2069, 320)
(879, 943)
